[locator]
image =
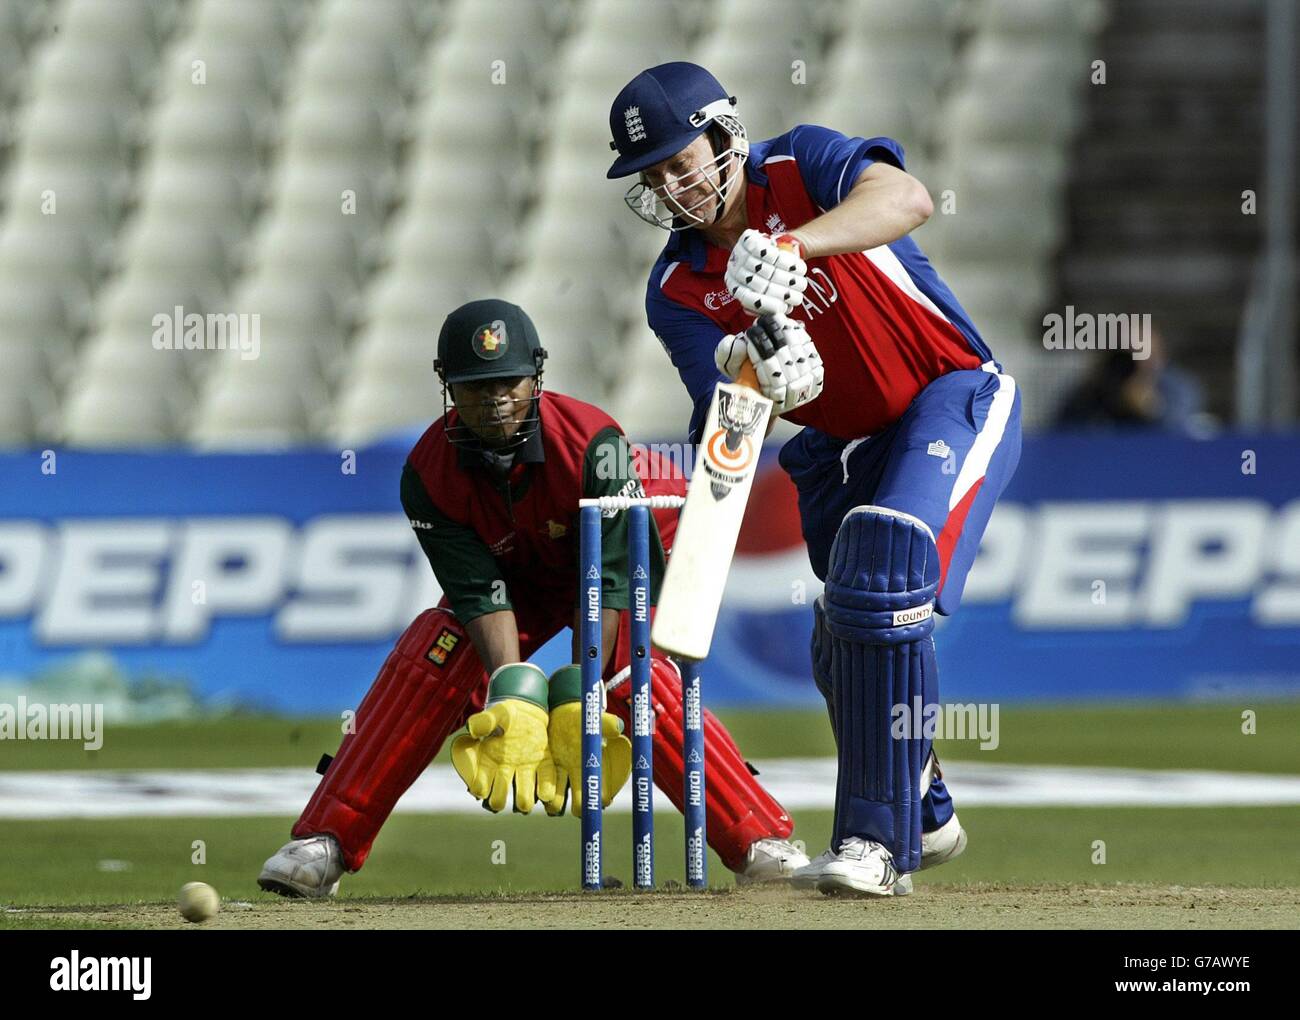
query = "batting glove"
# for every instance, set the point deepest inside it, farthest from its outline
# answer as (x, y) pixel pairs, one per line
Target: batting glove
(767, 275)
(789, 369)
(561, 773)
(506, 742)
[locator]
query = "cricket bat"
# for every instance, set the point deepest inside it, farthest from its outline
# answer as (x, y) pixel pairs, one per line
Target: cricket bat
(710, 524)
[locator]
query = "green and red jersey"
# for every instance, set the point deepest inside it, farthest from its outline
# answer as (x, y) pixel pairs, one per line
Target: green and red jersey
(497, 540)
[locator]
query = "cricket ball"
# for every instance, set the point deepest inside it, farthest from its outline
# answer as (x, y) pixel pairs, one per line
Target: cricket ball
(198, 901)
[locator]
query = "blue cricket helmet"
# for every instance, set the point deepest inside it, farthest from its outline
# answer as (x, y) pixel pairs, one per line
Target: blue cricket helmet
(660, 112)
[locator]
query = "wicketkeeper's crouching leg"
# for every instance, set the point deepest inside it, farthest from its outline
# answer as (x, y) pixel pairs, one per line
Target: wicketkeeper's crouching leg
(419, 698)
(430, 682)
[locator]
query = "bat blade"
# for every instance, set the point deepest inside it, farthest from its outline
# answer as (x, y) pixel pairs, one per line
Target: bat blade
(715, 505)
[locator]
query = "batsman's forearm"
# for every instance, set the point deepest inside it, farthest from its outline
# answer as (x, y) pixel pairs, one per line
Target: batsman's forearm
(883, 206)
(496, 638)
(608, 635)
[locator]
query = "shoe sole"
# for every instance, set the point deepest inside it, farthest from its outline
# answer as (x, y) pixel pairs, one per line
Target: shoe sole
(292, 892)
(281, 889)
(831, 885)
(747, 880)
(957, 850)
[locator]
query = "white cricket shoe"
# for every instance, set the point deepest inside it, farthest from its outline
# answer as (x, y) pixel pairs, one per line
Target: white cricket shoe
(942, 845)
(310, 868)
(808, 876)
(771, 860)
(861, 867)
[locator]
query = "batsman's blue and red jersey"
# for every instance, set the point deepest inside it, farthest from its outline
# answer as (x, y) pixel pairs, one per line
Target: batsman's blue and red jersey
(916, 415)
(884, 322)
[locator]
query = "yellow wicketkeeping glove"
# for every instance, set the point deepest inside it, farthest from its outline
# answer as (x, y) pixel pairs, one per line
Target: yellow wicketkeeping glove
(562, 769)
(506, 742)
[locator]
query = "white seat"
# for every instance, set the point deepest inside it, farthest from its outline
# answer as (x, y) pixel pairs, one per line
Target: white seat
(974, 121)
(598, 66)
(83, 67)
(445, 187)
(577, 327)
(21, 23)
(195, 193)
(742, 19)
(1043, 19)
(91, 202)
(304, 301)
(289, 354)
(885, 19)
(50, 253)
(126, 357)
(322, 249)
(132, 300)
(178, 251)
(27, 407)
(378, 405)
(13, 65)
(344, 131)
(630, 22)
(216, 133)
(388, 349)
(121, 25)
(768, 101)
(120, 415)
(63, 131)
(27, 362)
(503, 21)
(477, 238)
(31, 312)
(648, 399)
(358, 201)
(246, 23)
(1017, 288)
(458, 65)
(196, 74)
(410, 299)
(238, 414)
(581, 126)
(904, 118)
(591, 245)
(915, 69)
(999, 69)
(386, 23)
(333, 68)
(479, 124)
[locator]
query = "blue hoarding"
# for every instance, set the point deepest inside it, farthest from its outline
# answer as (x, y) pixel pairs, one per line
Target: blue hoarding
(1144, 566)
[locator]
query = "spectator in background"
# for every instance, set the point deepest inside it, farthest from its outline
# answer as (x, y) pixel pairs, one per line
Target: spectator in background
(1122, 392)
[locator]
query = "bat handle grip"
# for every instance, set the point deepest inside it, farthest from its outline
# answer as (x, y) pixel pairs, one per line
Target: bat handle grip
(748, 377)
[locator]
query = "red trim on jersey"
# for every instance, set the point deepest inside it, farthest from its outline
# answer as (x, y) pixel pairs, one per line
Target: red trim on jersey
(952, 530)
(881, 346)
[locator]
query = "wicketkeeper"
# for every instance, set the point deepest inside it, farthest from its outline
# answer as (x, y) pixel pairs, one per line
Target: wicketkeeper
(492, 491)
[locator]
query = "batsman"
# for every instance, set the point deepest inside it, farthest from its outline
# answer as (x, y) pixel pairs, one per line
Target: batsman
(491, 490)
(911, 429)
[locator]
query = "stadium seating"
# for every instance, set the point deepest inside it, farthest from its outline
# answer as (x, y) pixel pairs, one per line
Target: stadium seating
(349, 171)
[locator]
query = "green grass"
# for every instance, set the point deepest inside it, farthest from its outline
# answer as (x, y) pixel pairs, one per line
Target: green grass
(57, 862)
(1135, 736)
